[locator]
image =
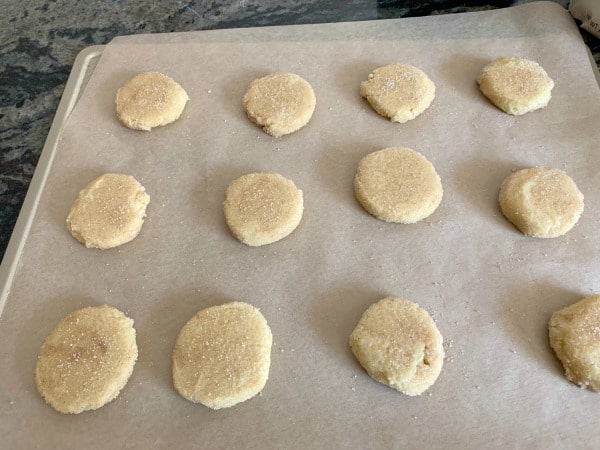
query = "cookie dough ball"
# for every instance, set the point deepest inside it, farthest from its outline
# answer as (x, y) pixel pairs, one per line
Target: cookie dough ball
(574, 334)
(399, 92)
(262, 208)
(542, 202)
(222, 355)
(398, 344)
(280, 103)
(398, 184)
(109, 211)
(516, 85)
(150, 99)
(86, 360)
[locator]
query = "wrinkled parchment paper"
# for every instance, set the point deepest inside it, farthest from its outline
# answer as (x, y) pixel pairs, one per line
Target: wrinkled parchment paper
(490, 289)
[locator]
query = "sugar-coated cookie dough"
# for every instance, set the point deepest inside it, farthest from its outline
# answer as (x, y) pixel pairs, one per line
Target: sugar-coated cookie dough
(542, 202)
(574, 334)
(398, 184)
(109, 211)
(398, 344)
(148, 100)
(399, 92)
(222, 355)
(280, 103)
(87, 359)
(516, 85)
(262, 208)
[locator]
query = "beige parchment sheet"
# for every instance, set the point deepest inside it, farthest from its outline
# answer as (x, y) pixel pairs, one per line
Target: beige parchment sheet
(490, 289)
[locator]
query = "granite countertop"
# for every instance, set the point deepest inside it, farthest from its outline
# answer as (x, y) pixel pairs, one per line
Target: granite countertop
(40, 40)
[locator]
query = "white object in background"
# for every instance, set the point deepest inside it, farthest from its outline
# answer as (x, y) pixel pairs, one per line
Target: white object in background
(588, 11)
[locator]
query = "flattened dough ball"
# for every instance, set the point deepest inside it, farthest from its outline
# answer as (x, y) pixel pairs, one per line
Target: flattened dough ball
(262, 208)
(222, 355)
(109, 211)
(516, 85)
(399, 345)
(87, 359)
(280, 103)
(399, 92)
(150, 99)
(574, 334)
(542, 202)
(398, 184)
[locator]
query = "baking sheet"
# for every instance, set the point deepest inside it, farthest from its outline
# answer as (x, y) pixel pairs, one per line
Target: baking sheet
(490, 289)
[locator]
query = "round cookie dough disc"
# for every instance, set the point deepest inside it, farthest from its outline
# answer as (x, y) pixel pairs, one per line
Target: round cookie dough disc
(542, 202)
(398, 344)
(574, 334)
(148, 100)
(398, 184)
(87, 359)
(222, 355)
(280, 103)
(109, 211)
(516, 85)
(399, 92)
(262, 208)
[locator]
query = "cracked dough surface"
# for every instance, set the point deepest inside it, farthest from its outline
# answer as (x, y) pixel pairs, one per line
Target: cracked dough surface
(399, 92)
(542, 202)
(87, 359)
(280, 103)
(516, 85)
(222, 355)
(398, 184)
(262, 208)
(148, 100)
(574, 334)
(399, 345)
(109, 211)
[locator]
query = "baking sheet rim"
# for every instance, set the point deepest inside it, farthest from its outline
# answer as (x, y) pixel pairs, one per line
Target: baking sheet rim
(82, 69)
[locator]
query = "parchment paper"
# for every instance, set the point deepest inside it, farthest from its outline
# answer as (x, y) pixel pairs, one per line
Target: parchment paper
(490, 289)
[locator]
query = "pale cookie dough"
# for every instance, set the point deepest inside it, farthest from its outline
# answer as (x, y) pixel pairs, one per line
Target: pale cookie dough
(86, 360)
(262, 208)
(398, 344)
(398, 184)
(109, 211)
(222, 355)
(542, 202)
(148, 100)
(280, 103)
(516, 85)
(574, 334)
(399, 92)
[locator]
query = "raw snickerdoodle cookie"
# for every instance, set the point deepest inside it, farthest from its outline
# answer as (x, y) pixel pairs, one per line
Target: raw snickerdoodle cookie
(148, 100)
(398, 184)
(280, 103)
(109, 211)
(87, 359)
(222, 355)
(262, 208)
(516, 85)
(399, 345)
(574, 334)
(399, 92)
(541, 201)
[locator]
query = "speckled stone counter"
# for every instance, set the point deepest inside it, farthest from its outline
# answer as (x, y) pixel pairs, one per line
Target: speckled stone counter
(40, 40)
